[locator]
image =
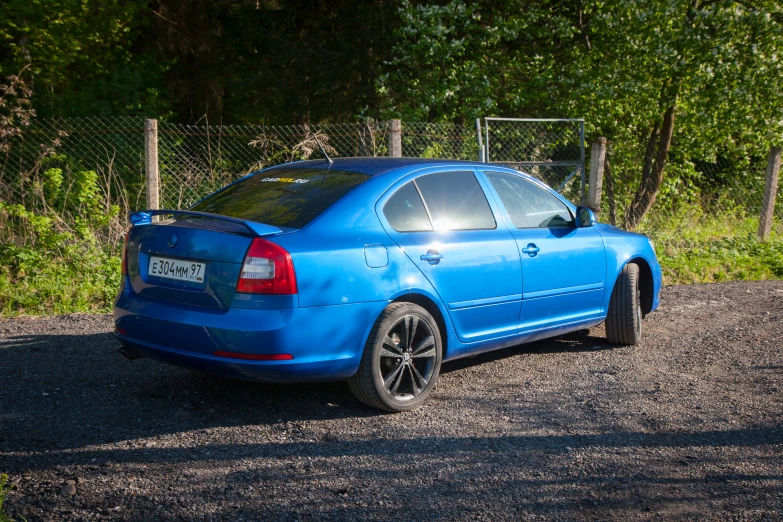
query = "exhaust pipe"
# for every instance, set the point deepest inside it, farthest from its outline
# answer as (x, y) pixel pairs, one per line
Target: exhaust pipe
(130, 353)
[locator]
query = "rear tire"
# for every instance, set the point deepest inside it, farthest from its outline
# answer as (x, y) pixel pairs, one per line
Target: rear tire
(401, 359)
(624, 320)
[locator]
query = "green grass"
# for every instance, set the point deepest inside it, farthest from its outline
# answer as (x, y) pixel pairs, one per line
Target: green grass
(78, 278)
(709, 250)
(4, 489)
(58, 273)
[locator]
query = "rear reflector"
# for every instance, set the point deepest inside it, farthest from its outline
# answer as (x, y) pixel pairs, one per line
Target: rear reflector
(120, 330)
(267, 269)
(254, 356)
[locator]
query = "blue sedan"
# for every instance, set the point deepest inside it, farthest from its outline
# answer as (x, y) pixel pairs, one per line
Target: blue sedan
(374, 271)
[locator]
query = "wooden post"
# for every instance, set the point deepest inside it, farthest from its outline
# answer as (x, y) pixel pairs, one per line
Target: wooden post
(395, 139)
(770, 191)
(151, 164)
(596, 180)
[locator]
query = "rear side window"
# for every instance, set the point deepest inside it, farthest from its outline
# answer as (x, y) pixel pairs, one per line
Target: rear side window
(289, 198)
(528, 205)
(455, 201)
(405, 212)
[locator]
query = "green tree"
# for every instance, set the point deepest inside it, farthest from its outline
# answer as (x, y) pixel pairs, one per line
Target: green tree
(84, 55)
(277, 62)
(646, 74)
(700, 74)
(468, 59)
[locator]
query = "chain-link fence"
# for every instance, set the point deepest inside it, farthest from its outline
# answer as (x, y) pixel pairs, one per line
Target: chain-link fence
(113, 148)
(726, 189)
(195, 160)
(550, 150)
(439, 140)
(74, 172)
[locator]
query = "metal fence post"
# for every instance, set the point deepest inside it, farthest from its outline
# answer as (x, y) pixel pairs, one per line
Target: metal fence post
(151, 163)
(480, 142)
(770, 190)
(395, 139)
(596, 180)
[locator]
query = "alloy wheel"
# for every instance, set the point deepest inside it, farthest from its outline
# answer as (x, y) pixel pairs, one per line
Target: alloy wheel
(407, 358)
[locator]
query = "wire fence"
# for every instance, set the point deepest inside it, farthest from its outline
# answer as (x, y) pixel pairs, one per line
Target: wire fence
(550, 150)
(195, 160)
(112, 148)
(694, 191)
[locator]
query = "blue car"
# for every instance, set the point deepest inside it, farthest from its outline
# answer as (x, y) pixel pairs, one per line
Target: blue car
(374, 271)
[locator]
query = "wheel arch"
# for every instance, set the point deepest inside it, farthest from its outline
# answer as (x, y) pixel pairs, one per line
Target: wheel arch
(646, 283)
(434, 310)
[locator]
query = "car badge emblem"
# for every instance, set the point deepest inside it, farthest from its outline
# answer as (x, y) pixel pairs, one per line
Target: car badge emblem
(173, 240)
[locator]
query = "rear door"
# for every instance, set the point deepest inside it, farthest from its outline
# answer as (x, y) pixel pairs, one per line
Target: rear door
(446, 226)
(563, 267)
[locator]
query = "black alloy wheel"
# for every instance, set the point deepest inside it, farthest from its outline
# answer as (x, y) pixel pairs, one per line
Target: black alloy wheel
(401, 360)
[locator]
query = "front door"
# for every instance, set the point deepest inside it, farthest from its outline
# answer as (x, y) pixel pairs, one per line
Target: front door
(563, 267)
(446, 227)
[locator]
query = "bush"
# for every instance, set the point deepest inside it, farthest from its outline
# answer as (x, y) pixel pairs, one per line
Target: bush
(60, 252)
(693, 247)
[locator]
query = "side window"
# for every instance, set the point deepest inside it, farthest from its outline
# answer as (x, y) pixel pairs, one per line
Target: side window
(405, 211)
(529, 205)
(455, 201)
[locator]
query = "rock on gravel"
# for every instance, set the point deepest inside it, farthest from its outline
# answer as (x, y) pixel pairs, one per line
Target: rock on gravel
(69, 489)
(687, 425)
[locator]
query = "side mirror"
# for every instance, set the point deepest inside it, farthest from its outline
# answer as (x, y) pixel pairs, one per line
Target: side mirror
(584, 217)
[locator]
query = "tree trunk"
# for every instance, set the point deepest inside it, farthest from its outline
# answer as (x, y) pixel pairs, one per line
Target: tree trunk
(652, 173)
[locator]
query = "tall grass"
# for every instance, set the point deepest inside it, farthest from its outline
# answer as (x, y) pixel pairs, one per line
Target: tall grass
(694, 246)
(60, 249)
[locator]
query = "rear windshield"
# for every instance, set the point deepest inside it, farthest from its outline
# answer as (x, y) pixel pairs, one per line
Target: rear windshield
(282, 197)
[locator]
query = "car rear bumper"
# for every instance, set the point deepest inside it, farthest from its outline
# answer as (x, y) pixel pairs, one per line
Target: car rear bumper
(325, 342)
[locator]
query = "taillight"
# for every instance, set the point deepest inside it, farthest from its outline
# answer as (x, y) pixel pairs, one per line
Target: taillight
(125, 254)
(267, 269)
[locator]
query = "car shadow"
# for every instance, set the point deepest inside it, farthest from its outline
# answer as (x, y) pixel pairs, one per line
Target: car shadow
(581, 341)
(69, 391)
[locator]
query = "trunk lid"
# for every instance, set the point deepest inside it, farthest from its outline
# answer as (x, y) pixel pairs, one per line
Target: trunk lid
(215, 247)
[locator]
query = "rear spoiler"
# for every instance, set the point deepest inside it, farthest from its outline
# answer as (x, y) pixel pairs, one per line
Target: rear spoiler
(257, 229)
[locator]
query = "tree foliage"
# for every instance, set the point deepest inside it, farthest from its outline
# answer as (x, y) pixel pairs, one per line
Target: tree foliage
(703, 75)
(674, 84)
(232, 60)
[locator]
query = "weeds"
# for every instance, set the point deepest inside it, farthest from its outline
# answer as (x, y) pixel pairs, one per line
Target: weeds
(64, 255)
(4, 489)
(714, 248)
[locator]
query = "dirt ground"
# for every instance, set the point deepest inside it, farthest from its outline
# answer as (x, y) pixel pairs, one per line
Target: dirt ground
(687, 425)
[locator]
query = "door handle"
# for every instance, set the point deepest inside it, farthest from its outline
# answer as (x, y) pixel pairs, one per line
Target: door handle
(531, 249)
(433, 257)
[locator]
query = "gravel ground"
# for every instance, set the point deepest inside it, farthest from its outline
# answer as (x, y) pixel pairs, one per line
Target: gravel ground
(687, 425)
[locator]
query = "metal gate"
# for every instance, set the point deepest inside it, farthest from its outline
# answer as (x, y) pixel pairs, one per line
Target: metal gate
(552, 150)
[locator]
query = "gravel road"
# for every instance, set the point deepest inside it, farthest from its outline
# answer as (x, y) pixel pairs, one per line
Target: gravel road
(687, 425)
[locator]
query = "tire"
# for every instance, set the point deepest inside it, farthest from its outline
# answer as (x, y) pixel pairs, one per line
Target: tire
(624, 320)
(394, 374)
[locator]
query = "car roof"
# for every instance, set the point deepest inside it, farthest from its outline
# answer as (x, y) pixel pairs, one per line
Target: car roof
(375, 166)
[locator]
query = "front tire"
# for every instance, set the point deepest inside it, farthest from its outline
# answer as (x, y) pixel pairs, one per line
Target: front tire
(401, 360)
(624, 320)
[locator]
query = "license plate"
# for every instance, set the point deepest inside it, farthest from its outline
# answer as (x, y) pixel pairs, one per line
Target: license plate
(177, 269)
